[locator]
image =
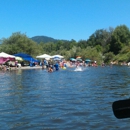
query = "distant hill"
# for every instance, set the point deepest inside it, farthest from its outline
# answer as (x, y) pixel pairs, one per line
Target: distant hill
(44, 39)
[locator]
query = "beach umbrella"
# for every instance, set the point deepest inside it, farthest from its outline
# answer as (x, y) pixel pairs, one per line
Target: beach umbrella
(18, 58)
(59, 56)
(72, 59)
(78, 59)
(88, 60)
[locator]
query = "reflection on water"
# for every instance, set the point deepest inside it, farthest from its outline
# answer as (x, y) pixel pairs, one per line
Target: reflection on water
(36, 99)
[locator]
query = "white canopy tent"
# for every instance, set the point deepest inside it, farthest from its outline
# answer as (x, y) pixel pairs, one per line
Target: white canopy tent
(5, 55)
(44, 56)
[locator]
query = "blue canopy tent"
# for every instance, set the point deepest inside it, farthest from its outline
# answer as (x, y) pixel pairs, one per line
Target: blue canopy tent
(26, 57)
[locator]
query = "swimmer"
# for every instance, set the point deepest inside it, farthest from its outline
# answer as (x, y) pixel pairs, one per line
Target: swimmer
(50, 69)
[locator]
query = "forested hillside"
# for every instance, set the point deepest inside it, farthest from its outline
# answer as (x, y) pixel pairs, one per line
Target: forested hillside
(44, 39)
(104, 45)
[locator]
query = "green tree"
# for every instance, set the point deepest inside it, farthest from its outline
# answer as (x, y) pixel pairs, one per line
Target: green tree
(19, 43)
(101, 37)
(120, 38)
(108, 57)
(82, 44)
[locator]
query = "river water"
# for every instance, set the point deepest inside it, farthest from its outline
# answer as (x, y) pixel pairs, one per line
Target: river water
(64, 100)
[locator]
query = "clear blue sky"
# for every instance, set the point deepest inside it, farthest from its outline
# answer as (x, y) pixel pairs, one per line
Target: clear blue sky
(61, 19)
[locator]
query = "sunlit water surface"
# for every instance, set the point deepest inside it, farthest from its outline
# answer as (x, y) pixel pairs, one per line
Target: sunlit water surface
(63, 100)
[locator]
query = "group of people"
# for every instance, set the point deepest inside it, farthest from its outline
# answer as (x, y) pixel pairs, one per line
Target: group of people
(53, 65)
(5, 67)
(50, 65)
(8, 66)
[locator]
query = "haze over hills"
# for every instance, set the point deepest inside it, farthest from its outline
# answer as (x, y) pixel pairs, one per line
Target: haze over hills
(45, 39)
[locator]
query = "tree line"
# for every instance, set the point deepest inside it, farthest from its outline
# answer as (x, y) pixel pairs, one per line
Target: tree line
(104, 45)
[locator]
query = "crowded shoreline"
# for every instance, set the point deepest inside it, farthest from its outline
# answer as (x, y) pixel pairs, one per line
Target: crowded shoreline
(52, 65)
(49, 65)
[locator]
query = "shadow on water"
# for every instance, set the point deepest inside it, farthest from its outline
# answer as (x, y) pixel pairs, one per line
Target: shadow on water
(36, 99)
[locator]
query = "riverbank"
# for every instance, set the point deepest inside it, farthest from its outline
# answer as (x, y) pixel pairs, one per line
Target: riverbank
(26, 67)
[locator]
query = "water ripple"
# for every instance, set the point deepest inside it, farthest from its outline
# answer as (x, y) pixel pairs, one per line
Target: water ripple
(36, 99)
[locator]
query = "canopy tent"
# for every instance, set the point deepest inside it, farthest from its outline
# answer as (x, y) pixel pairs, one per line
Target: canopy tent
(57, 56)
(4, 57)
(26, 57)
(44, 56)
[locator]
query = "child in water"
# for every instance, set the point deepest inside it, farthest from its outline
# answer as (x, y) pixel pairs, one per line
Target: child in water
(50, 69)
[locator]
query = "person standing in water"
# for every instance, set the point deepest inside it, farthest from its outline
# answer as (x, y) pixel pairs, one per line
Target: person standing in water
(56, 66)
